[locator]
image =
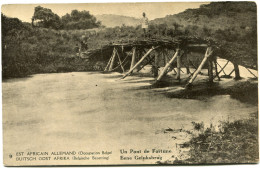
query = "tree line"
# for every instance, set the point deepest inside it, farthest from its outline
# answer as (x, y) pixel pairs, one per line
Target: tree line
(45, 18)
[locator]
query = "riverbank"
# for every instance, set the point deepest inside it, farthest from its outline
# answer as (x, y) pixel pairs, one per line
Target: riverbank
(228, 143)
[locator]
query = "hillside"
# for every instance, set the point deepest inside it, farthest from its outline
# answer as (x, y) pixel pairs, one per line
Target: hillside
(232, 24)
(109, 20)
(239, 16)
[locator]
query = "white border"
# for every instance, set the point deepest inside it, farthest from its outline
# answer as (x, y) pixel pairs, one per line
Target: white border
(103, 1)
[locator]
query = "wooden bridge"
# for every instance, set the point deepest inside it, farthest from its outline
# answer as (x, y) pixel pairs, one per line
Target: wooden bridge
(170, 54)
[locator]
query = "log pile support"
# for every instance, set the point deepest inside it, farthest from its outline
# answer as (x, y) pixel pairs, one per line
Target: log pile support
(210, 69)
(208, 53)
(237, 73)
(122, 67)
(139, 62)
(108, 67)
(222, 69)
(167, 66)
(108, 63)
(112, 60)
(187, 62)
(133, 58)
(216, 67)
(155, 65)
(178, 67)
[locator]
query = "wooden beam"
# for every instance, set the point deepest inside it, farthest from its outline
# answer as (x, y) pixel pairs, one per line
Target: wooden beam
(171, 68)
(208, 53)
(210, 70)
(216, 68)
(223, 67)
(187, 64)
(120, 62)
(149, 60)
(109, 61)
(174, 70)
(197, 45)
(237, 73)
(155, 65)
(165, 57)
(231, 72)
(139, 62)
(193, 64)
(251, 72)
(113, 60)
(133, 58)
(124, 62)
(181, 71)
(167, 65)
(178, 67)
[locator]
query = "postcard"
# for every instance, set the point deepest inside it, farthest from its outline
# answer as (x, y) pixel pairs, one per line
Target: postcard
(145, 83)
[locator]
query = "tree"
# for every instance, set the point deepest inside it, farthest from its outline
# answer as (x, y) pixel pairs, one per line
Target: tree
(79, 20)
(9, 24)
(46, 18)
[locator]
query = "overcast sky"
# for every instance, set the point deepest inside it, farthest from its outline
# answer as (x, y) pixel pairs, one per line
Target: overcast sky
(153, 10)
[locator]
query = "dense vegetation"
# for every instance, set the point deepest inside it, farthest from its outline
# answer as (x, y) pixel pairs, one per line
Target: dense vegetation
(232, 24)
(50, 46)
(234, 142)
(28, 50)
(79, 20)
(76, 20)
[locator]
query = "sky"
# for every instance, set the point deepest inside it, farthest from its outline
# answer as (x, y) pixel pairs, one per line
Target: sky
(153, 9)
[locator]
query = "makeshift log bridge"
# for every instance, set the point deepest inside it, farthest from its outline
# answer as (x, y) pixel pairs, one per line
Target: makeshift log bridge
(169, 54)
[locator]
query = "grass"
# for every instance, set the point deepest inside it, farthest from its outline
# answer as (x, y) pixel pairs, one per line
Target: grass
(28, 50)
(234, 142)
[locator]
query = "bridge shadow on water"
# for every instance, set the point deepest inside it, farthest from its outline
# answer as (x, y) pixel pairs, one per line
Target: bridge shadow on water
(244, 90)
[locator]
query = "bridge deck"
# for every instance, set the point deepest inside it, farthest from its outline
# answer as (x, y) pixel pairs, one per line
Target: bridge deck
(181, 46)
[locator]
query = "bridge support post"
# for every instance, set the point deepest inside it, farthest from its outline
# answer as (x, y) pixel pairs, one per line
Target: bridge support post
(120, 62)
(237, 73)
(108, 63)
(222, 68)
(139, 62)
(133, 58)
(187, 62)
(216, 68)
(165, 59)
(208, 53)
(155, 65)
(210, 69)
(112, 60)
(178, 67)
(167, 66)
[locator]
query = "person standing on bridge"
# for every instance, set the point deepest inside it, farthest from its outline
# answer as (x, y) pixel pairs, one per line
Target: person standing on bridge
(145, 24)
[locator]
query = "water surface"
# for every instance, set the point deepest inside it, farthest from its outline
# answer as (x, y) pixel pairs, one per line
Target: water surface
(94, 112)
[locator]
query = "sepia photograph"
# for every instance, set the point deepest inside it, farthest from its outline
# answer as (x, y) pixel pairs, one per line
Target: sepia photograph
(129, 83)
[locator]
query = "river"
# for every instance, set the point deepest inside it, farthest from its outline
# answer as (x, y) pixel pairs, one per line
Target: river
(84, 111)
